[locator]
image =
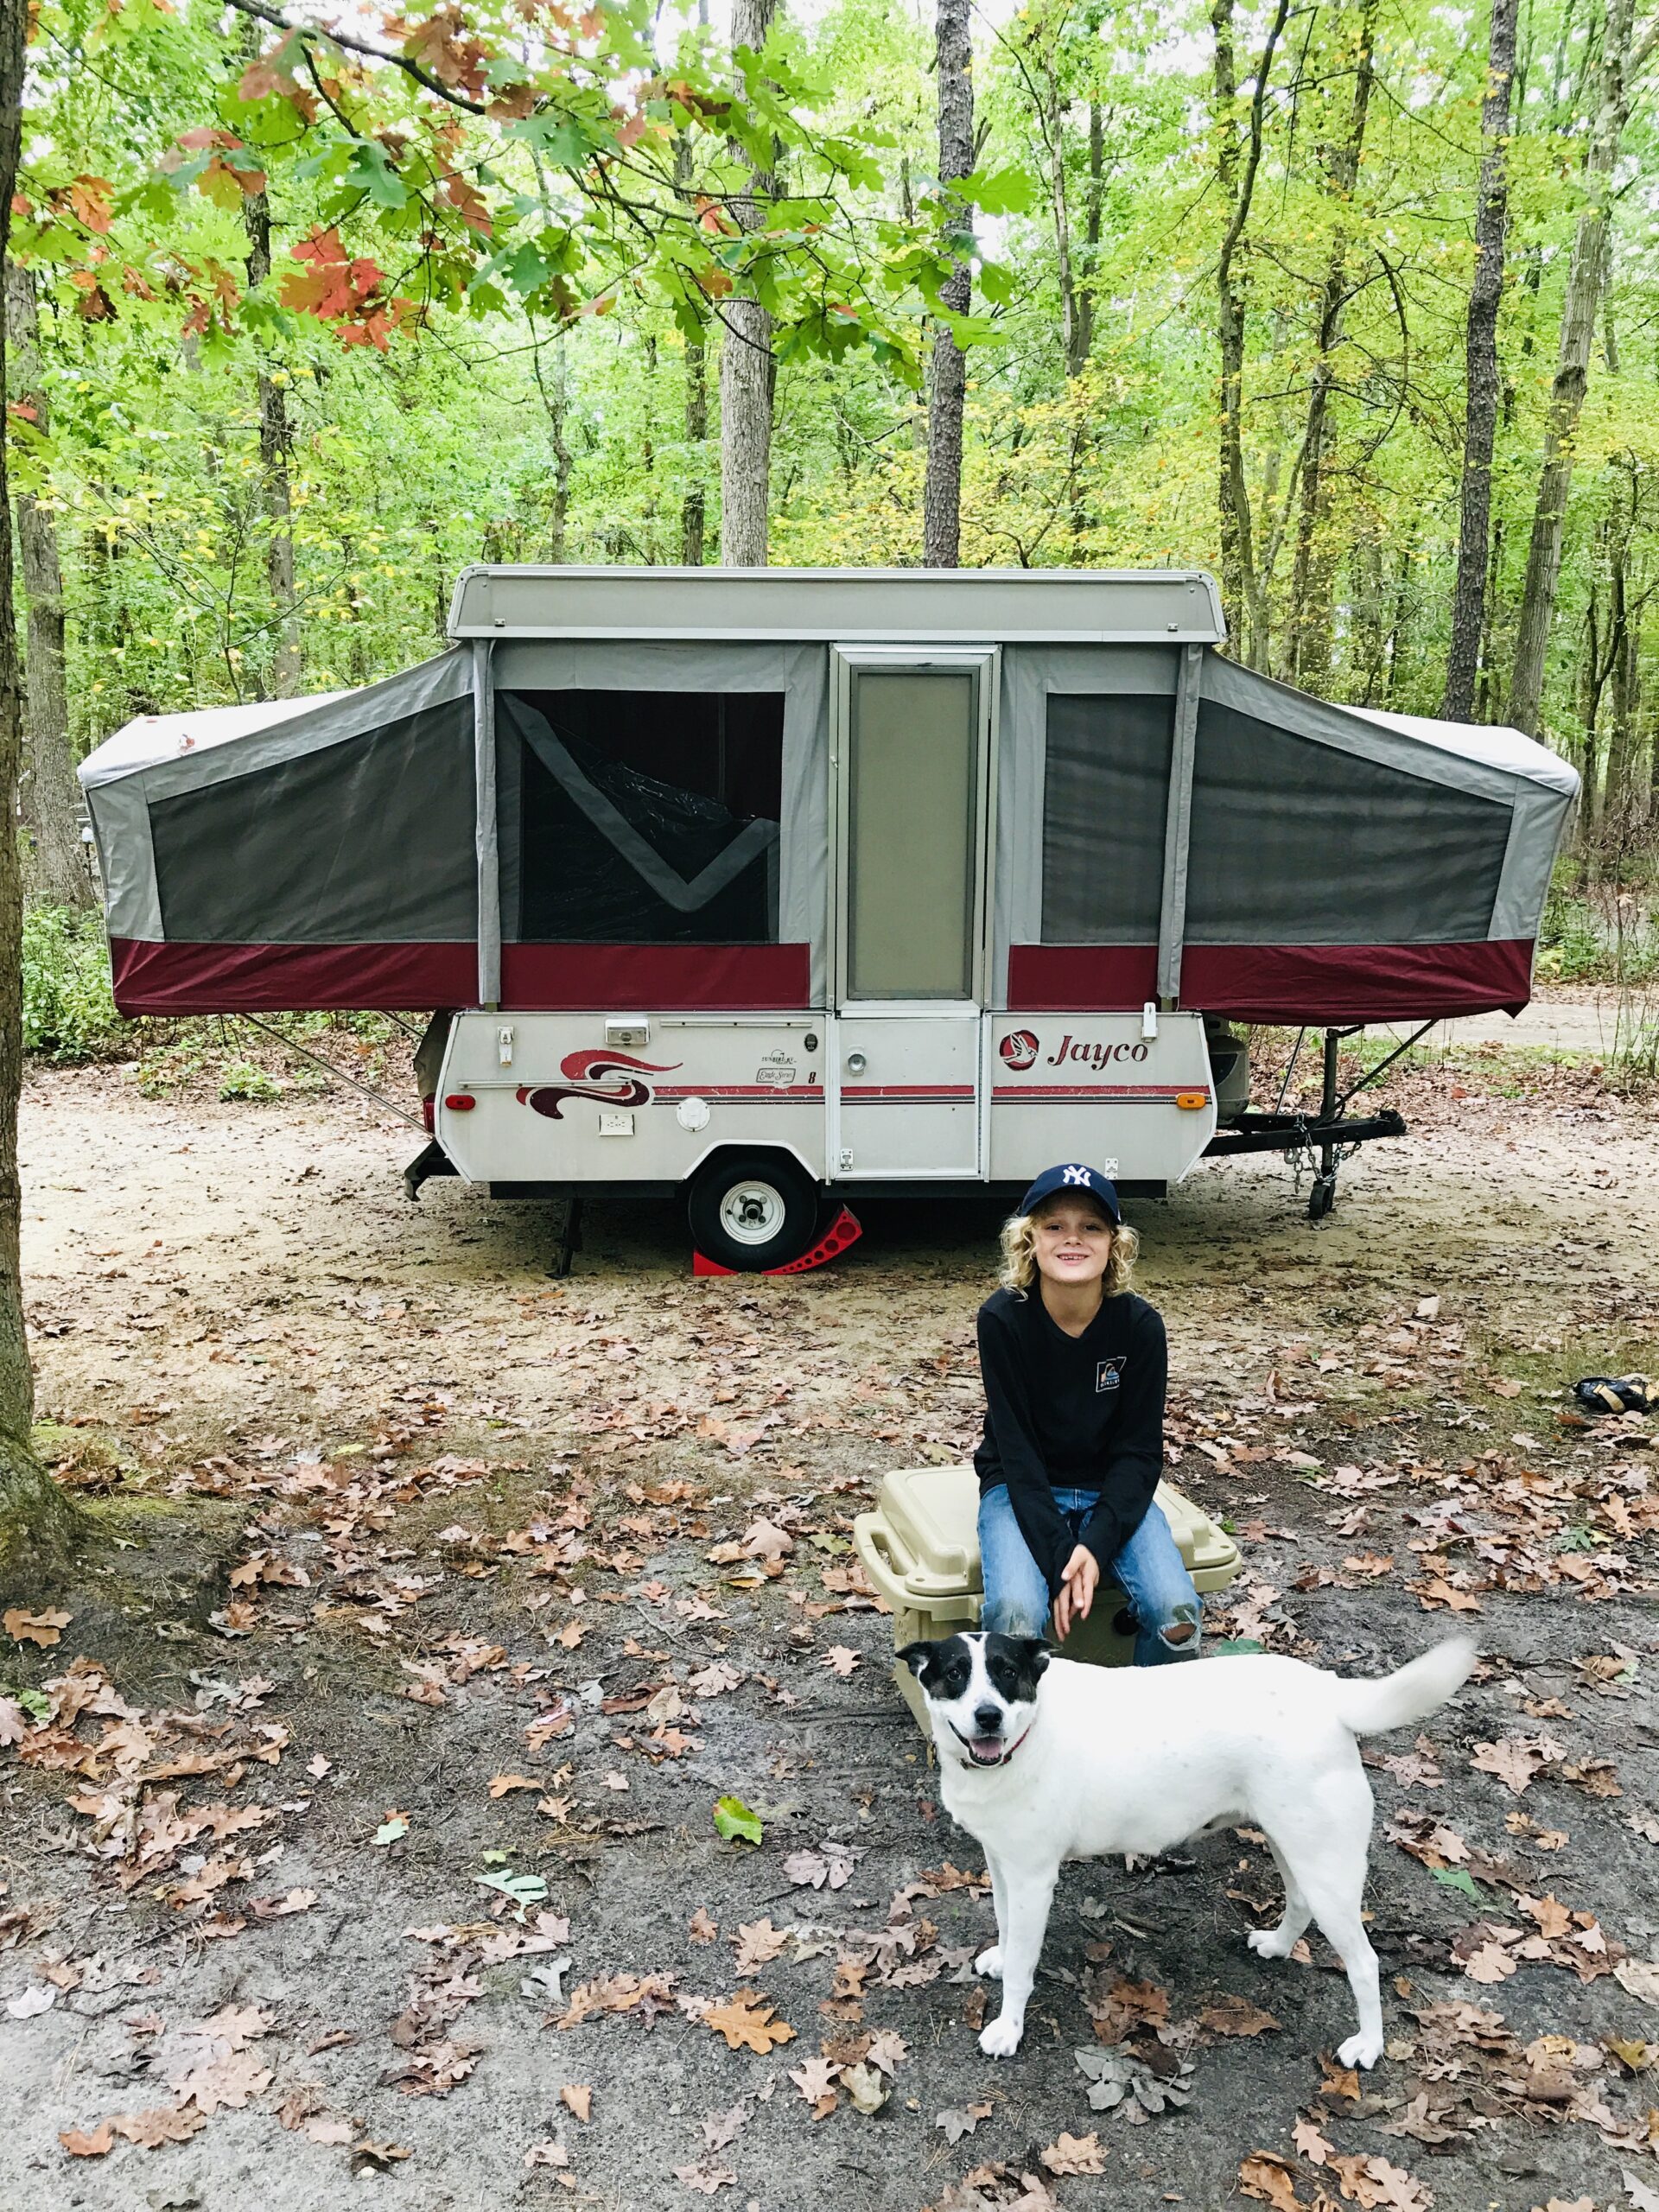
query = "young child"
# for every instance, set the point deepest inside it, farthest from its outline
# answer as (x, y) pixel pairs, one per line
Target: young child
(1075, 1366)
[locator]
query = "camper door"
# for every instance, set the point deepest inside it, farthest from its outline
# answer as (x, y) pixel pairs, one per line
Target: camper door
(912, 768)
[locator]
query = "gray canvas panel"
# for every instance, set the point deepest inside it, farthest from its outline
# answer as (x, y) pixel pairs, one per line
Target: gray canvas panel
(1293, 842)
(1441, 760)
(364, 842)
(343, 715)
(1030, 673)
(800, 672)
(1105, 803)
(1541, 815)
(132, 906)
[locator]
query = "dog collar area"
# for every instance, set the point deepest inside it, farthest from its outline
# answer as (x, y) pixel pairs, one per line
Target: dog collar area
(989, 1766)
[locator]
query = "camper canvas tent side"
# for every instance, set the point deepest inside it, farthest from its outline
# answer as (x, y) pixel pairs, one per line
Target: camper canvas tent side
(780, 881)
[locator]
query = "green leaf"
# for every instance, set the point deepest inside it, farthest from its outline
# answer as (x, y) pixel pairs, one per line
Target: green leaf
(1002, 192)
(392, 1830)
(521, 1890)
(1235, 1645)
(37, 1705)
(1459, 1879)
(734, 1818)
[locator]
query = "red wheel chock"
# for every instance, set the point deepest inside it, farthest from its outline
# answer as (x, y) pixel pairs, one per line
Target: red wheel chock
(843, 1232)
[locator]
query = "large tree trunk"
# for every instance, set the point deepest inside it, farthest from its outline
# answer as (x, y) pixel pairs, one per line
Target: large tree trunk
(50, 796)
(1480, 372)
(1314, 570)
(1584, 277)
(746, 367)
(275, 444)
(942, 492)
(37, 1523)
(1235, 173)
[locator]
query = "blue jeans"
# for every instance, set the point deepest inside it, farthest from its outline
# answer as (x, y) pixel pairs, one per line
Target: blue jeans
(1149, 1570)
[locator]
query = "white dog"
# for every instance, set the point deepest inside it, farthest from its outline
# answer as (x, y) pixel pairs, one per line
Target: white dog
(1136, 1759)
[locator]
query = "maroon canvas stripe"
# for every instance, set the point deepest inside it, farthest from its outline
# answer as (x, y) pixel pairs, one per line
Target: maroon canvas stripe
(1310, 983)
(175, 977)
(652, 978)
(179, 978)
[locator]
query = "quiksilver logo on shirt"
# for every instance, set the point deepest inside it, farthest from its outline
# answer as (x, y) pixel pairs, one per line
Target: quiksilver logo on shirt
(1109, 1373)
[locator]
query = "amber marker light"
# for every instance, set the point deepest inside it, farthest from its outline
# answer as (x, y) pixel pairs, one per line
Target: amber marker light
(1192, 1101)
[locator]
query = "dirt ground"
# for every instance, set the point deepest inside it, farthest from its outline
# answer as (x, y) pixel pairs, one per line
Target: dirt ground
(360, 1817)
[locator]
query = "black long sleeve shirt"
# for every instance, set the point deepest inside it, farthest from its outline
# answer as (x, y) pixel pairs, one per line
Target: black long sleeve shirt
(1072, 1413)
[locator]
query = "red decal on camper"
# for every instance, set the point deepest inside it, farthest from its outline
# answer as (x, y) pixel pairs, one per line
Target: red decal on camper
(612, 1078)
(1019, 1050)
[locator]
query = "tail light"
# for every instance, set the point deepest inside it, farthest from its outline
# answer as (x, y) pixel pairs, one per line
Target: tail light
(460, 1102)
(428, 1114)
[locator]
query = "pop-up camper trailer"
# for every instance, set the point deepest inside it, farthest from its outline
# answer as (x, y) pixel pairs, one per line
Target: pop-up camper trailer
(778, 883)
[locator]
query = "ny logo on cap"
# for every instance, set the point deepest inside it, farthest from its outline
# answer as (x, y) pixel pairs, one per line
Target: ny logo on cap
(1078, 1175)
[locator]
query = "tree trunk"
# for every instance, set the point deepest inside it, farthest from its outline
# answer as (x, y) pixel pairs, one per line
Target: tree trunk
(1480, 372)
(745, 365)
(942, 491)
(1313, 571)
(1091, 215)
(37, 1523)
(1580, 310)
(1235, 173)
(694, 509)
(55, 858)
(275, 444)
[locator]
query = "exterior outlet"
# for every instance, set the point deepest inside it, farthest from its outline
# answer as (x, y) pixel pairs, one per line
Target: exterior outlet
(616, 1125)
(503, 1040)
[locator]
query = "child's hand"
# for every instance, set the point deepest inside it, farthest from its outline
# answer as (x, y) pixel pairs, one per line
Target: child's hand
(1077, 1591)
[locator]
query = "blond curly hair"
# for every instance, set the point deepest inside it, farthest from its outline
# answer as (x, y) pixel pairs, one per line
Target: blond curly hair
(1020, 1256)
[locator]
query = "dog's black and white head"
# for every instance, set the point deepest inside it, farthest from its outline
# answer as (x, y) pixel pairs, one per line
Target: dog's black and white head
(980, 1689)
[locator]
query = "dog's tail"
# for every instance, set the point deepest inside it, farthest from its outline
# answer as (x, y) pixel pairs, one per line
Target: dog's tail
(1411, 1693)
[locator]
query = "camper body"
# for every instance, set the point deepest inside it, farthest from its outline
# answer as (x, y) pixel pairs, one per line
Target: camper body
(780, 882)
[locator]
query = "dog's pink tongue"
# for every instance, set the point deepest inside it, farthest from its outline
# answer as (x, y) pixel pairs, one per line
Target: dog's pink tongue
(986, 1747)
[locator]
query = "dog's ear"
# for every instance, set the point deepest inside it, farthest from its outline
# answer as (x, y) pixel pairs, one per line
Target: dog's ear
(916, 1656)
(1035, 1656)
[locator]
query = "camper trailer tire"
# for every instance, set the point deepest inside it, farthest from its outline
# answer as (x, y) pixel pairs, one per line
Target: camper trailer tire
(752, 1211)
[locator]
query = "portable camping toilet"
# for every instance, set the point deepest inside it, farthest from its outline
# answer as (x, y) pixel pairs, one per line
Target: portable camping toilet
(783, 885)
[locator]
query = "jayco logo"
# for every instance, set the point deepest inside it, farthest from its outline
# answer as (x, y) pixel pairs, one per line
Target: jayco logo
(1096, 1055)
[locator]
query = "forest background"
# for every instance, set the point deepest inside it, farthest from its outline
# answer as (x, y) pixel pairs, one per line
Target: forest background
(297, 332)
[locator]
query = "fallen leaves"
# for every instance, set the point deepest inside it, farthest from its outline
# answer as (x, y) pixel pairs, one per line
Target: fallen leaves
(43, 1628)
(734, 1821)
(757, 1943)
(1516, 1760)
(747, 2022)
(1235, 2016)
(149, 2129)
(957, 2121)
(1074, 2154)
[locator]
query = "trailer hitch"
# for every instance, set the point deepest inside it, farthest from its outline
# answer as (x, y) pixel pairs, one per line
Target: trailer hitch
(1297, 1132)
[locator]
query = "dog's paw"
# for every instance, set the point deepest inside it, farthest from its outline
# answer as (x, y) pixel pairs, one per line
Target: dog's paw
(1360, 2051)
(990, 1962)
(1270, 1943)
(1001, 2038)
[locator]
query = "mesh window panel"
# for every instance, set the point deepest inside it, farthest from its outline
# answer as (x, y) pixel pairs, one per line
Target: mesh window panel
(364, 841)
(614, 851)
(1105, 795)
(1295, 842)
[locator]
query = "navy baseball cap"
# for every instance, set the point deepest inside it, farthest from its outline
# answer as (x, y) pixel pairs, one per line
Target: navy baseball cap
(1073, 1176)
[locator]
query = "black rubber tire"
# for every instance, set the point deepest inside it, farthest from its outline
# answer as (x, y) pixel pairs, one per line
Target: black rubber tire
(1321, 1198)
(794, 1198)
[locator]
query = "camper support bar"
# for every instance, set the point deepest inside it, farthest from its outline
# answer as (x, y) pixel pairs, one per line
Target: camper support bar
(1297, 1132)
(486, 836)
(1178, 822)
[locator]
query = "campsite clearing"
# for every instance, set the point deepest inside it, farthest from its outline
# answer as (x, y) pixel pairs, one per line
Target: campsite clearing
(484, 1589)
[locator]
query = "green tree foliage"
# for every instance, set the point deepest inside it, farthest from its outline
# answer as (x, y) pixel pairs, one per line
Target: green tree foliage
(493, 248)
